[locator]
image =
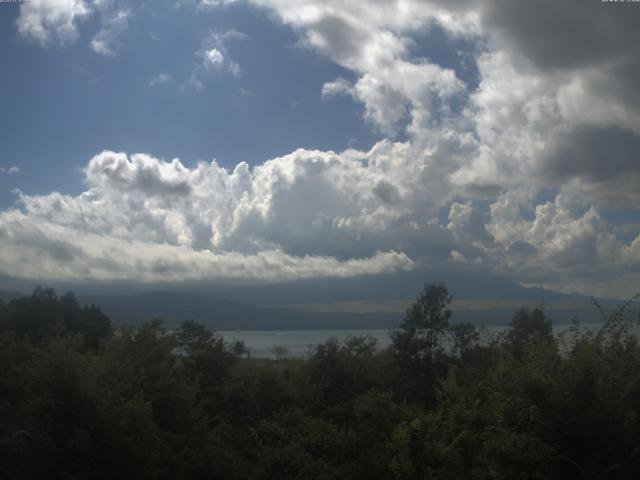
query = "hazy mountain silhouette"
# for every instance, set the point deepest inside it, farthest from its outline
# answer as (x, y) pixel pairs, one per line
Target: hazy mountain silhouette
(396, 286)
(220, 314)
(485, 299)
(173, 308)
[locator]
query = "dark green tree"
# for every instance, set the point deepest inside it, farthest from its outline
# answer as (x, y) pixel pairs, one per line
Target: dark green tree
(44, 315)
(527, 328)
(424, 325)
(417, 343)
(464, 337)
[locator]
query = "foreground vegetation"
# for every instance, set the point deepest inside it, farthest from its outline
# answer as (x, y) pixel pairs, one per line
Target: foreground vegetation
(78, 400)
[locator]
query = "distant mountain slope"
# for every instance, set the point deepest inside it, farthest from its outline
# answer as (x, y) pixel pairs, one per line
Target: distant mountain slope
(173, 308)
(397, 286)
(331, 304)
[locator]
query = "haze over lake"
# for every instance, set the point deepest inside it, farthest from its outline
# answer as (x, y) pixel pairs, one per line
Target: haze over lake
(299, 343)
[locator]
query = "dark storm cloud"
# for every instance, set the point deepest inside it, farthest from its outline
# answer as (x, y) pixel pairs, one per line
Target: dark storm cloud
(566, 34)
(595, 153)
(606, 162)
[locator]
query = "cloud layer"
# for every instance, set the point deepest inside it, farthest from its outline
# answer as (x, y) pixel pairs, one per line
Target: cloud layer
(143, 219)
(548, 81)
(511, 171)
(305, 215)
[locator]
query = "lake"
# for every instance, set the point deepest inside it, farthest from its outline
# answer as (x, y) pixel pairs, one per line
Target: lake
(298, 343)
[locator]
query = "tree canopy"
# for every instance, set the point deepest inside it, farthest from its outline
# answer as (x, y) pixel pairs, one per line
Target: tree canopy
(79, 399)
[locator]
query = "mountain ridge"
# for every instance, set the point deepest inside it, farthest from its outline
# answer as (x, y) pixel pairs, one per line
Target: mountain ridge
(336, 304)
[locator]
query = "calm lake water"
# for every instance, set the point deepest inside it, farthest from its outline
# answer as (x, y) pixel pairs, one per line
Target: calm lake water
(297, 343)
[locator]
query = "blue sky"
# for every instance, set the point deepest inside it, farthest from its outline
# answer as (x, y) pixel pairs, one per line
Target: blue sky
(348, 140)
(63, 104)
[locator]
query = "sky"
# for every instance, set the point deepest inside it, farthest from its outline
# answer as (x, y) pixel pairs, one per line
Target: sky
(266, 141)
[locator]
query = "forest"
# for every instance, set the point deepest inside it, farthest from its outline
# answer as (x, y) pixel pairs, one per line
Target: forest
(80, 398)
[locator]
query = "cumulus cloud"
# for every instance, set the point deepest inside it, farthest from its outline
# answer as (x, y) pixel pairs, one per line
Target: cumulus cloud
(12, 170)
(562, 248)
(339, 86)
(559, 244)
(585, 71)
(46, 250)
(468, 229)
(149, 220)
(48, 20)
(304, 215)
(56, 21)
(374, 41)
(307, 202)
(545, 72)
(554, 108)
(557, 105)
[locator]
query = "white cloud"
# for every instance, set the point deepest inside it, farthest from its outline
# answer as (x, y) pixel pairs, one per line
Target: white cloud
(515, 116)
(557, 112)
(373, 39)
(467, 227)
(13, 170)
(534, 90)
(214, 3)
(113, 25)
(520, 131)
(161, 219)
(46, 250)
(339, 86)
(562, 248)
(212, 58)
(305, 215)
(159, 79)
(539, 129)
(48, 20)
